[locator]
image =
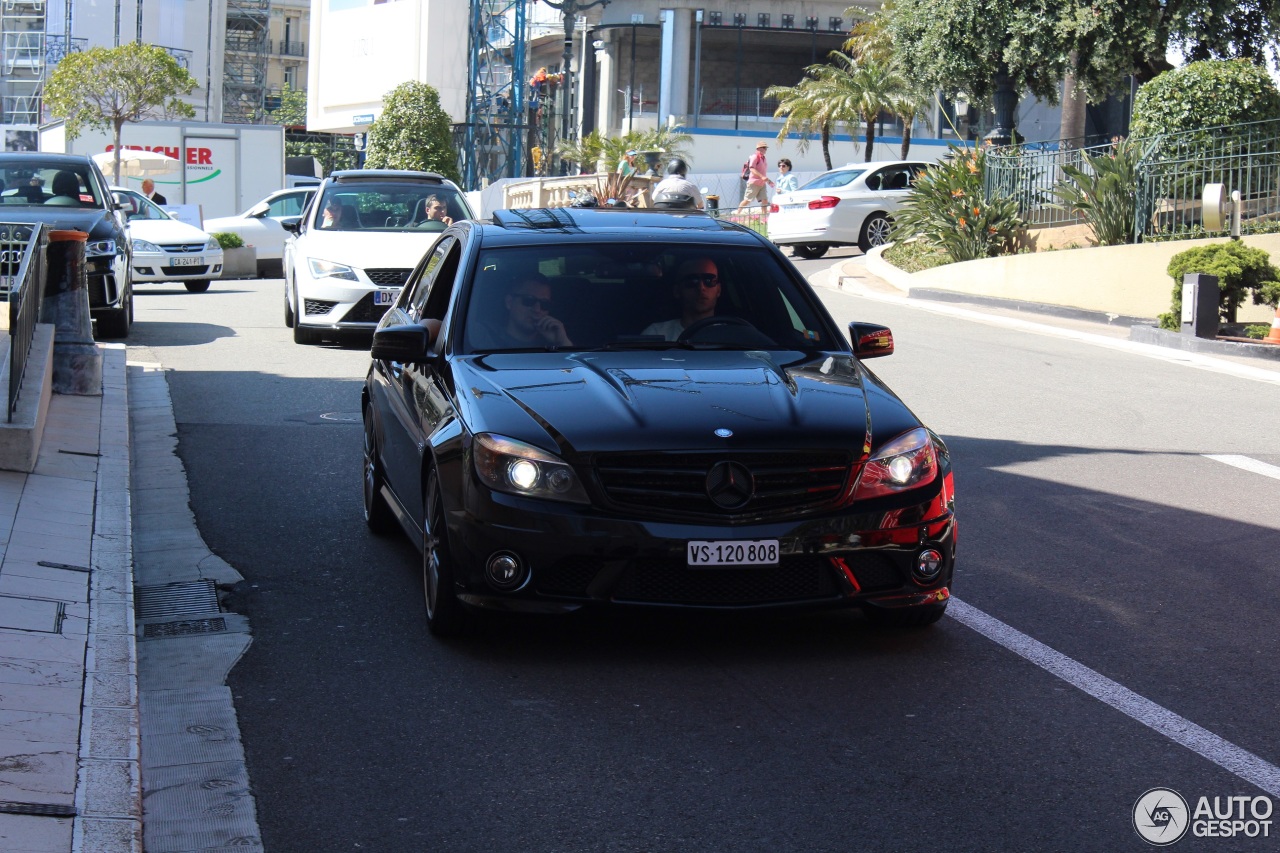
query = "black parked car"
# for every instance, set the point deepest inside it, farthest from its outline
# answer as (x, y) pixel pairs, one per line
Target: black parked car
(573, 407)
(68, 192)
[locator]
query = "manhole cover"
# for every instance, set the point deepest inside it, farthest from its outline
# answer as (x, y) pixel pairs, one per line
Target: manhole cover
(176, 599)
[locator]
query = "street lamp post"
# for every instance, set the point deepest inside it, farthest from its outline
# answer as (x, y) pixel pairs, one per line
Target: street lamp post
(569, 9)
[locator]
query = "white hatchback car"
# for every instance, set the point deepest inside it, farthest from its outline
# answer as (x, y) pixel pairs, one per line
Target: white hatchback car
(849, 206)
(353, 249)
(260, 226)
(165, 249)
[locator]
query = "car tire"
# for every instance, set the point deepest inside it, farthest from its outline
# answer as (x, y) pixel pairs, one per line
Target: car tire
(197, 286)
(875, 231)
(446, 616)
(304, 335)
(115, 324)
(905, 617)
(377, 512)
(808, 251)
(289, 317)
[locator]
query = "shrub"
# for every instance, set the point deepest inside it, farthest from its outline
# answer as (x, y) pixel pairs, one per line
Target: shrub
(947, 208)
(1211, 93)
(1103, 193)
(1240, 269)
(413, 132)
(915, 255)
(227, 240)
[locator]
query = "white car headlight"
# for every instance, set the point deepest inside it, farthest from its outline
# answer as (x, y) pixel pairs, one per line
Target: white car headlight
(144, 246)
(506, 465)
(100, 247)
(329, 269)
(212, 246)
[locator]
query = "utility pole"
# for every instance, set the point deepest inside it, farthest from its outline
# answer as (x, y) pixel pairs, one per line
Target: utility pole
(570, 9)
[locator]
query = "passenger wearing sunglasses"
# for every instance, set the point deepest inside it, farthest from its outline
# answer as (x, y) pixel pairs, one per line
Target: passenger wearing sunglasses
(529, 322)
(697, 289)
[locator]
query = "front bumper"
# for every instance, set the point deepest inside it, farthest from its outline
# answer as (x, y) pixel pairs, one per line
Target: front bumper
(159, 266)
(343, 305)
(104, 276)
(578, 557)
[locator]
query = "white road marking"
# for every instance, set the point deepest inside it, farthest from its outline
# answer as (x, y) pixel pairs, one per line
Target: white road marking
(1178, 729)
(1247, 464)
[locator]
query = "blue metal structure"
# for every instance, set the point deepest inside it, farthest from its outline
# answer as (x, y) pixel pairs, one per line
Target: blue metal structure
(492, 140)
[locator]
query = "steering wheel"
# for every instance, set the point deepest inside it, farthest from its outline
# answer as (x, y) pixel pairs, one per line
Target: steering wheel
(710, 323)
(431, 225)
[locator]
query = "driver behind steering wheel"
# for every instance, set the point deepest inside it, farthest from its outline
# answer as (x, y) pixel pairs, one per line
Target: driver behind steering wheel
(697, 289)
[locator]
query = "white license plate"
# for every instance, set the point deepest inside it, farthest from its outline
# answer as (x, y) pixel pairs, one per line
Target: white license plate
(756, 552)
(384, 297)
(801, 206)
(188, 262)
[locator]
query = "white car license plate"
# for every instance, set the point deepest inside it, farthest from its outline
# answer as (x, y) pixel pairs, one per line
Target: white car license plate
(801, 206)
(384, 297)
(188, 262)
(756, 552)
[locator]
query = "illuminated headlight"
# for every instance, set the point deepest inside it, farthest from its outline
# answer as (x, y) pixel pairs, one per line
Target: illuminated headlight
(100, 247)
(328, 269)
(506, 465)
(144, 246)
(907, 462)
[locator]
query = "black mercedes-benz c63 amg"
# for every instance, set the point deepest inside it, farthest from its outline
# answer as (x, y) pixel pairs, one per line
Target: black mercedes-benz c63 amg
(568, 408)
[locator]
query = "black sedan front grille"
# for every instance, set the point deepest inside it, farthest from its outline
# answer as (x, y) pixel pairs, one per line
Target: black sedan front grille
(794, 579)
(676, 483)
(388, 276)
(365, 311)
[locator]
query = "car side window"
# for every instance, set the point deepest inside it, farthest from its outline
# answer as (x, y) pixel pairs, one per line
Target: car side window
(290, 205)
(873, 181)
(427, 301)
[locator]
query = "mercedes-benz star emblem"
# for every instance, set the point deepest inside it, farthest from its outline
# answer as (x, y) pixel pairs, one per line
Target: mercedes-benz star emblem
(724, 433)
(730, 485)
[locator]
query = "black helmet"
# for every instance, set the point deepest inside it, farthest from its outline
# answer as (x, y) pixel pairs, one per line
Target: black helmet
(676, 166)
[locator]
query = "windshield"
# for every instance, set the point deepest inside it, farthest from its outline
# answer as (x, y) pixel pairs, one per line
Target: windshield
(389, 206)
(832, 180)
(639, 296)
(140, 207)
(33, 182)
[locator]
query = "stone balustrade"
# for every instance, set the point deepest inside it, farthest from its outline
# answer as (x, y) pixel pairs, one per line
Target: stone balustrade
(554, 192)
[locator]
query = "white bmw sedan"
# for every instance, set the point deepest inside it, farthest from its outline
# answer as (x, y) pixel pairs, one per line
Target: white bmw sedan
(353, 249)
(165, 249)
(849, 206)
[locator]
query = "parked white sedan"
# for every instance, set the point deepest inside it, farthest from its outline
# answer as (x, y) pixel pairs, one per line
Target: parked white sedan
(260, 227)
(849, 206)
(165, 249)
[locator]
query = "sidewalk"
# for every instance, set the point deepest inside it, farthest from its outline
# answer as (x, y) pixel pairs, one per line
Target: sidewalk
(69, 734)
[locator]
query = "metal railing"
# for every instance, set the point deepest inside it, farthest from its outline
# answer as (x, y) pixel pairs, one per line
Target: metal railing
(58, 48)
(1172, 171)
(22, 277)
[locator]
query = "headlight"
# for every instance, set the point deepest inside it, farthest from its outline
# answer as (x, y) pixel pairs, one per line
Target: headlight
(328, 269)
(144, 246)
(507, 465)
(211, 246)
(907, 462)
(100, 247)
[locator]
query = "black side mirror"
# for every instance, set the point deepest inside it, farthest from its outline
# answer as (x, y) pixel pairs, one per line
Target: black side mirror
(870, 340)
(292, 224)
(409, 343)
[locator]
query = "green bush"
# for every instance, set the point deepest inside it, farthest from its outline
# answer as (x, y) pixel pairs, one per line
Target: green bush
(914, 256)
(1211, 93)
(1240, 270)
(947, 208)
(413, 132)
(1257, 332)
(227, 240)
(1103, 193)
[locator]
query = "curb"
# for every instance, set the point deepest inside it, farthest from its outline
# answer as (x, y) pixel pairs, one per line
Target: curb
(1149, 334)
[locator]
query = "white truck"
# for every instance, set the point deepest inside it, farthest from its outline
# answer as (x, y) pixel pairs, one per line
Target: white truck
(226, 168)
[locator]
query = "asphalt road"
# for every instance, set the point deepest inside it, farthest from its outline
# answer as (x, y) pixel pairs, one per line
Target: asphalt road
(1104, 560)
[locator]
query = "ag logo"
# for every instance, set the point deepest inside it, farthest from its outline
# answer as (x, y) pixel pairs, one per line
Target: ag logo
(1160, 816)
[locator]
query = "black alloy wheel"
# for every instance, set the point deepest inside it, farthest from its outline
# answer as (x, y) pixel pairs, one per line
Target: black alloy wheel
(809, 251)
(377, 512)
(875, 231)
(445, 614)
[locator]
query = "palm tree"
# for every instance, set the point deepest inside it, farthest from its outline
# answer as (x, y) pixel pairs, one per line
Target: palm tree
(805, 110)
(860, 90)
(907, 106)
(595, 148)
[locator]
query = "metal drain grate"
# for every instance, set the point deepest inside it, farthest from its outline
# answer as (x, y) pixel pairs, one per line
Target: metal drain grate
(176, 599)
(184, 627)
(37, 809)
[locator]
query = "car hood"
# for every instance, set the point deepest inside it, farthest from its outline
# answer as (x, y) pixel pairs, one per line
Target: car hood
(364, 249)
(670, 400)
(166, 231)
(99, 224)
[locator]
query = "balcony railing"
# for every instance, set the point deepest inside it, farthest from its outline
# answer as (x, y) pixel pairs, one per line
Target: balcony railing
(290, 48)
(56, 48)
(182, 56)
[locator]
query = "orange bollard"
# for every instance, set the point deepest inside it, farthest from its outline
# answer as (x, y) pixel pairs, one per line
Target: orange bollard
(1274, 336)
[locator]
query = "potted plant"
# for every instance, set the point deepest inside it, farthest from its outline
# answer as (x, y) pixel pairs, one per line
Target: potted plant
(238, 259)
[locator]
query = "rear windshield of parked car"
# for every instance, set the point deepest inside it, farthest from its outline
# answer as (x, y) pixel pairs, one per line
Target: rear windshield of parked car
(608, 295)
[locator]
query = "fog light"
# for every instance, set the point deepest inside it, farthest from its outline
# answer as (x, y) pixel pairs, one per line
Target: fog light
(928, 566)
(505, 571)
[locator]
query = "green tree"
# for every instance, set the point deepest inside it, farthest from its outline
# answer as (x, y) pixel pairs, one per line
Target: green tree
(413, 132)
(108, 87)
(292, 111)
(596, 148)
(1211, 93)
(805, 110)
(859, 91)
(333, 150)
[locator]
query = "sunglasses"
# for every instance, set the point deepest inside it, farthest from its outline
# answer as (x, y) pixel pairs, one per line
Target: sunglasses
(531, 301)
(700, 279)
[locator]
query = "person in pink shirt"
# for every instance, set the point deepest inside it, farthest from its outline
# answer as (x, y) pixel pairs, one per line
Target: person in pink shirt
(758, 179)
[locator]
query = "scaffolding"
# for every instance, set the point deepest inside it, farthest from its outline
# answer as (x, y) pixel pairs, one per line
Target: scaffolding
(244, 71)
(22, 61)
(491, 141)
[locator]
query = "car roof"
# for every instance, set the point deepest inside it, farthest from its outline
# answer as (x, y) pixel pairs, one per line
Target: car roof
(535, 225)
(44, 157)
(346, 176)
